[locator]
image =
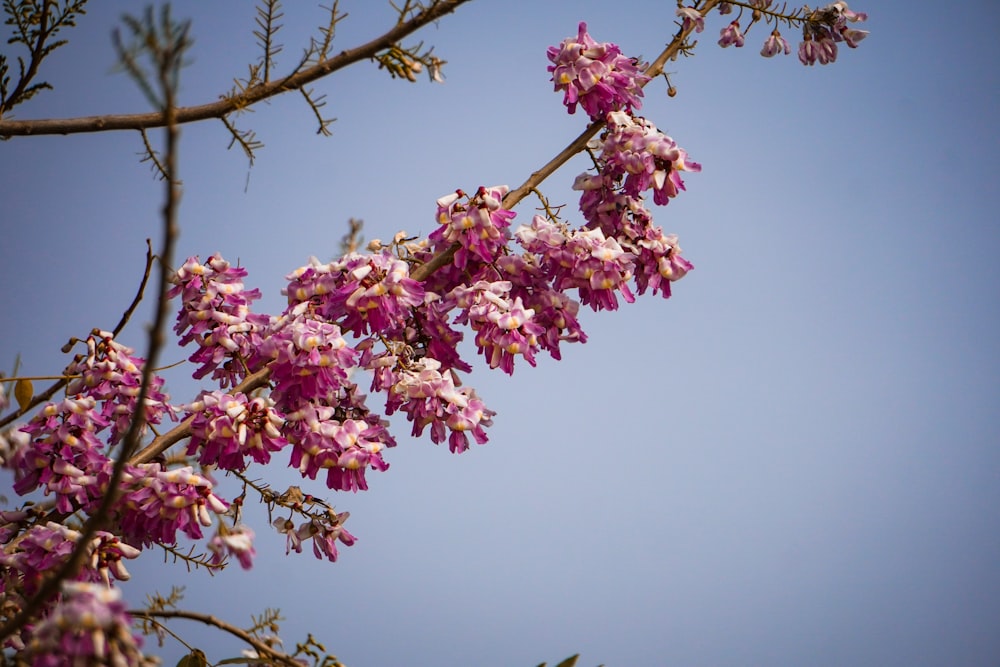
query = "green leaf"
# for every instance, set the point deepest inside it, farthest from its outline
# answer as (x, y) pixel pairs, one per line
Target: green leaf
(569, 662)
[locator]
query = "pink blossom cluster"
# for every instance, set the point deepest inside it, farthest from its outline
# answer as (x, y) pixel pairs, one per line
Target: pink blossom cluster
(518, 291)
(478, 224)
(215, 314)
(825, 28)
(42, 548)
(228, 428)
(88, 626)
(584, 259)
(158, 503)
(324, 439)
(503, 326)
(65, 455)
(595, 75)
(360, 293)
(110, 373)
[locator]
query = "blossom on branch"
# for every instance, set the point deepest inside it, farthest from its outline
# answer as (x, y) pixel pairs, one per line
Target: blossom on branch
(597, 76)
(215, 315)
(88, 626)
(228, 428)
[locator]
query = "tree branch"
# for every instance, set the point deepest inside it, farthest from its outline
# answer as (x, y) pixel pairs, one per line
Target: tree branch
(228, 105)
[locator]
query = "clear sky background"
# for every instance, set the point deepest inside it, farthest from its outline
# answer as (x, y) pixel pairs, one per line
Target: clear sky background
(793, 461)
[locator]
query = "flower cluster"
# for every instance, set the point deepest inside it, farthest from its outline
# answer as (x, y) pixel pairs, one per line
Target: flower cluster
(824, 29)
(595, 75)
(89, 626)
(65, 455)
(361, 293)
(478, 224)
(236, 542)
(583, 259)
(45, 547)
(156, 504)
(503, 326)
(215, 314)
(324, 440)
(111, 374)
(429, 397)
(228, 428)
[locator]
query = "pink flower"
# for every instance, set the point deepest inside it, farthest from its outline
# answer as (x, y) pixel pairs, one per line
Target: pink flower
(774, 45)
(360, 293)
(430, 398)
(731, 36)
(236, 542)
(692, 17)
(110, 374)
(156, 504)
(309, 360)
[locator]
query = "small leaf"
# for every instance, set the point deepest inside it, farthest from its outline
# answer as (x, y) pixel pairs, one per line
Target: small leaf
(24, 391)
(196, 658)
(569, 662)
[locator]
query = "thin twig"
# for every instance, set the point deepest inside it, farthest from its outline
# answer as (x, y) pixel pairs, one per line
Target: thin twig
(208, 619)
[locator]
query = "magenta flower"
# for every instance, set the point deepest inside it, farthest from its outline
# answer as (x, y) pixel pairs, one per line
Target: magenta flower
(648, 159)
(322, 440)
(808, 51)
(595, 75)
(42, 548)
(64, 455)
(325, 532)
(430, 398)
(309, 360)
(503, 327)
(584, 259)
(658, 262)
(824, 28)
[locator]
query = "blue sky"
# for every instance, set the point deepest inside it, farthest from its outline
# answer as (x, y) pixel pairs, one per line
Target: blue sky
(793, 461)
